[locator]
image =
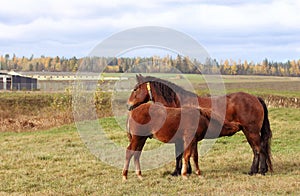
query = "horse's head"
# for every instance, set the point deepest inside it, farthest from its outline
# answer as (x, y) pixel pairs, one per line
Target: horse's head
(140, 94)
(157, 90)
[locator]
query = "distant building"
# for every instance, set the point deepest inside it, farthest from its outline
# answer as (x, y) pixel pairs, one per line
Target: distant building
(51, 81)
(14, 81)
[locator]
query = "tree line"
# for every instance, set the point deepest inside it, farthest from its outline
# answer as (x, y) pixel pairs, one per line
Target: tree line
(166, 64)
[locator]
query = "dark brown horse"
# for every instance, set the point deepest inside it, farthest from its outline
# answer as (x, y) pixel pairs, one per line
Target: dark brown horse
(169, 125)
(249, 111)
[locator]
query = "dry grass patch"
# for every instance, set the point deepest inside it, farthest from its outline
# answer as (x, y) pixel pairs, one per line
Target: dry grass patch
(56, 161)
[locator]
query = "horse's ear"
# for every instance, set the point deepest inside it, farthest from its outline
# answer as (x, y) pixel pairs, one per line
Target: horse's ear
(139, 78)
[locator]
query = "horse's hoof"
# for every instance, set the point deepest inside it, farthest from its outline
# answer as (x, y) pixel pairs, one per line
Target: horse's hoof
(251, 173)
(259, 174)
(175, 173)
(184, 177)
(198, 173)
(140, 177)
(263, 171)
(124, 178)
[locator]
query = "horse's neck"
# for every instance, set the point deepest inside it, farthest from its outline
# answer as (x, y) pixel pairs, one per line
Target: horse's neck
(184, 100)
(166, 103)
(160, 99)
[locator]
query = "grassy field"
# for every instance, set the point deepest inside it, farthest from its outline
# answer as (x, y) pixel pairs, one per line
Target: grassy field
(260, 85)
(56, 162)
(36, 160)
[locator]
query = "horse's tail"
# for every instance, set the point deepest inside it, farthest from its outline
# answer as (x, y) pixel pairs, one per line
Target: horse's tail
(266, 135)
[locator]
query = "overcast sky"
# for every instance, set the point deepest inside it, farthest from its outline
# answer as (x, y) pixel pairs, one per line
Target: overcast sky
(246, 30)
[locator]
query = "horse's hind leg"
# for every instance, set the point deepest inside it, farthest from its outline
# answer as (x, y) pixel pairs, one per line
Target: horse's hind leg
(263, 163)
(255, 163)
(254, 141)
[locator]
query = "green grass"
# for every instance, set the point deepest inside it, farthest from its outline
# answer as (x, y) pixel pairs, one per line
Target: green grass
(56, 161)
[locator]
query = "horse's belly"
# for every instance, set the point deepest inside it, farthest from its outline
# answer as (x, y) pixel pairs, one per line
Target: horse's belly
(166, 134)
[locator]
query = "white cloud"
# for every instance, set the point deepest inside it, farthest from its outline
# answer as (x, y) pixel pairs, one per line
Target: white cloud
(228, 22)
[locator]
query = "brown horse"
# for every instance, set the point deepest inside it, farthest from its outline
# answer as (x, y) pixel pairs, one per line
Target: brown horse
(249, 111)
(169, 125)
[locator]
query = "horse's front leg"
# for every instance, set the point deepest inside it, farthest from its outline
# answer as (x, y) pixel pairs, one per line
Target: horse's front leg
(178, 153)
(128, 156)
(135, 148)
(186, 157)
(185, 160)
(137, 164)
(137, 154)
(195, 157)
(179, 148)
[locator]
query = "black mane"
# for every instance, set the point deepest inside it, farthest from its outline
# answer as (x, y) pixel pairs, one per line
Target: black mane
(166, 89)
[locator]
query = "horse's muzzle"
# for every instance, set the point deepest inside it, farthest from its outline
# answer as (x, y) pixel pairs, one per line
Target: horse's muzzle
(130, 107)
